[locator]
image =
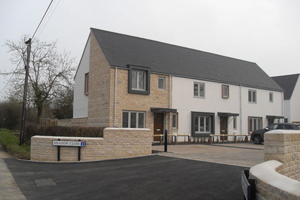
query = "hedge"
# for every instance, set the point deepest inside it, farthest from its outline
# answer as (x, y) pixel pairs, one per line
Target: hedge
(32, 130)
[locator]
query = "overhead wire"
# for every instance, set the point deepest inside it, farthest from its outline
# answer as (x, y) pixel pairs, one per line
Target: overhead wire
(31, 38)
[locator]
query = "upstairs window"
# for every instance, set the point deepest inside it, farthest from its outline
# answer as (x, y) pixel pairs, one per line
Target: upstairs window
(161, 83)
(86, 84)
(271, 97)
(225, 91)
(199, 90)
(252, 96)
(139, 80)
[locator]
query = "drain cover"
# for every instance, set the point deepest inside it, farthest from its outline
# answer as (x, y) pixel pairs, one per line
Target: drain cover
(45, 182)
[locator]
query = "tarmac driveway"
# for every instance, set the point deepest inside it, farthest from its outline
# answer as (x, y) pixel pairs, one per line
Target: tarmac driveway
(150, 177)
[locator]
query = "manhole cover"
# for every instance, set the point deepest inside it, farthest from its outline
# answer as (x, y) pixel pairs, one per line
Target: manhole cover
(45, 182)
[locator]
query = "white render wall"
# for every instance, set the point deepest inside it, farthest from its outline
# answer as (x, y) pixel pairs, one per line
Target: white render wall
(80, 105)
(295, 103)
(184, 101)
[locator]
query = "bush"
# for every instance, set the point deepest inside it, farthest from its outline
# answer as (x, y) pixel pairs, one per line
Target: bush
(11, 143)
(32, 130)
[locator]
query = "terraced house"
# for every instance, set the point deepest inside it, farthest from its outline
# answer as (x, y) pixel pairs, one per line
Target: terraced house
(131, 82)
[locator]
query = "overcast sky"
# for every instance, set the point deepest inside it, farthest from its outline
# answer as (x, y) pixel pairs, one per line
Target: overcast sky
(266, 32)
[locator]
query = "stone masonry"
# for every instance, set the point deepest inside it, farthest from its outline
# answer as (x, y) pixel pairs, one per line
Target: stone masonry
(284, 146)
(116, 143)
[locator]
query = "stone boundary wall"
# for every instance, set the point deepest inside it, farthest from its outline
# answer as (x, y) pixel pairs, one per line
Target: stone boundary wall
(284, 146)
(116, 143)
(278, 177)
(272, 185)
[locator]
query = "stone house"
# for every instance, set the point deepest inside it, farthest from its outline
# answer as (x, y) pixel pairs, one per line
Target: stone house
(131, 82)
(291, 86)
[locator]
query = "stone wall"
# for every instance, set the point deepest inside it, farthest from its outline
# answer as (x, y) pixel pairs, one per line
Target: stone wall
(278, 177)
(116, 143)
(284, 146)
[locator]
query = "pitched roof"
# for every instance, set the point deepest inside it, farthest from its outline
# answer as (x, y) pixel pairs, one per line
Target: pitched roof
(288, 83)
(121, 50)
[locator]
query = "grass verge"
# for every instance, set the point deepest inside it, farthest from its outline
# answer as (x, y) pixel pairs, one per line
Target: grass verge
(11, 143)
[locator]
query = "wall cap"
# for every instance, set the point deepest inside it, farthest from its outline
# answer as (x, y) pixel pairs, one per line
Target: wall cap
(68, 138)
(266, 172)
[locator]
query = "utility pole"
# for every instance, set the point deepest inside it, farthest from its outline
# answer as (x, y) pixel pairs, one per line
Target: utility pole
(28, 43)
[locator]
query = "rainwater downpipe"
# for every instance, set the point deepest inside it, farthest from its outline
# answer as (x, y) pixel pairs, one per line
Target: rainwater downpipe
(170, 91)
(241, 111)
(115, 97)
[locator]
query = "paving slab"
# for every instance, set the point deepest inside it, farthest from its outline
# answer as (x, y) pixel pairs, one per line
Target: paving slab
(238, 154)
(9, 189)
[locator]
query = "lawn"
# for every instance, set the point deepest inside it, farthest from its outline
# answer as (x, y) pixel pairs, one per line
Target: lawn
(10, 141)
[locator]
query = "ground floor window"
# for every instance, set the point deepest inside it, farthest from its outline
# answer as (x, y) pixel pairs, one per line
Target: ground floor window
(174, 121)
(255, 123)
(133, 119)
(234, 123)
(202, 123)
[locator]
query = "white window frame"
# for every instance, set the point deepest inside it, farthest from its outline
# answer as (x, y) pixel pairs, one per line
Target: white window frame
(164, 82)
(250, 96)
(138, 79)
(271, 97)
(137, 118)
(198, 90)
(174, 121)
(204, 124)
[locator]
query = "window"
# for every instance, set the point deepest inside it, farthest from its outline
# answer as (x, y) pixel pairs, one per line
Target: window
(139, 80)
(271, 97)
(199, 90)
(202, 124)
(132, 119)
(86, 84)
(161, 83)
(252, 96)
(234, 123)
(255, 123)
(174, 121)
(225, 91)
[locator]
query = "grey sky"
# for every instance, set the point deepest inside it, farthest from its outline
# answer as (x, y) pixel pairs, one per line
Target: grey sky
(266, 32)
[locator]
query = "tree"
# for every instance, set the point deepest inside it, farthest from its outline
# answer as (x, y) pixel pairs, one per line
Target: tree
(49, 71)
(62, 104)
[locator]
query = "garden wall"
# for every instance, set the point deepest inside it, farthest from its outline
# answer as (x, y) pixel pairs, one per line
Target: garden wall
(116, 143)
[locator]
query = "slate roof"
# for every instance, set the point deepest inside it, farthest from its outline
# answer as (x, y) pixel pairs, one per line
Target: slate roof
(288, 83)
(121, 50)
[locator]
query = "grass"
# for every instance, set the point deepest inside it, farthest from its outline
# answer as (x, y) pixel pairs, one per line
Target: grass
(10, 141)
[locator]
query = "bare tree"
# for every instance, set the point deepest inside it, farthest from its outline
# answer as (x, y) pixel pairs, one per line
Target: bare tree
(49, 71)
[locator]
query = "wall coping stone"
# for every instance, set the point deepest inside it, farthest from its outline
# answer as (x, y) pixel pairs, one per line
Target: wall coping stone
(68, 138)
(131, 129)
(266, 172)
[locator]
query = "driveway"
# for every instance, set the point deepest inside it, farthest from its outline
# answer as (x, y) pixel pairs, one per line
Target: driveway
(150, 177)
(238, 154)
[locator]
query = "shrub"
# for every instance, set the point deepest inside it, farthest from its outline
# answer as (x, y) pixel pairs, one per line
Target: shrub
(32, 130)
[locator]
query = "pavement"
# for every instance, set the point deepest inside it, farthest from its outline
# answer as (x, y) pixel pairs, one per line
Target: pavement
(9, 189)
(193, 171)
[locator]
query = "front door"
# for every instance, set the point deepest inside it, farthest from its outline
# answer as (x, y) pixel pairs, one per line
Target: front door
(158, 125)
(223, 127)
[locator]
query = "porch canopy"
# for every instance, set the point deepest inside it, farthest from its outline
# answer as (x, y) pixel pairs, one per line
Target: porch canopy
(274, 117)
(223, 114)
(163, 110)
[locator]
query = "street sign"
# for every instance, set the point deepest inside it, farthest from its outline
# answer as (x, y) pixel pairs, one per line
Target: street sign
(69, 143)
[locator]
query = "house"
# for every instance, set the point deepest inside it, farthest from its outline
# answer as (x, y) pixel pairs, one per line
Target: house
(131, 82)
(291, 86)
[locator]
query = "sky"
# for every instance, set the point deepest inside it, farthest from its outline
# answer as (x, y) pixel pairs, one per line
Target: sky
(266, 32)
